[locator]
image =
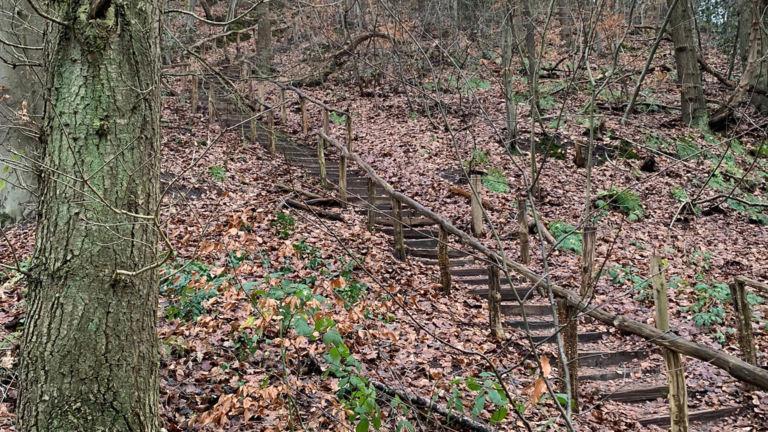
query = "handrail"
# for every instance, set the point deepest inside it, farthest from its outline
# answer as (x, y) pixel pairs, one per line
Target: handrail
(761, 286)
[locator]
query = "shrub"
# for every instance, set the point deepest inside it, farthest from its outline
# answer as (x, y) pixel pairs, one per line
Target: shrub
(624, 201)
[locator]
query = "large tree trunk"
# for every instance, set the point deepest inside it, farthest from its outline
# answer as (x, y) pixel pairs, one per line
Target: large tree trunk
(89, 354)
(694, 105)
(747, 9)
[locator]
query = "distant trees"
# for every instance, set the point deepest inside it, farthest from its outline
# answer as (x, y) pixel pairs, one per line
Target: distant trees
(89, 351)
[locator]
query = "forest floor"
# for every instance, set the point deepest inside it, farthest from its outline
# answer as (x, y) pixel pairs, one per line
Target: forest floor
(244, 269)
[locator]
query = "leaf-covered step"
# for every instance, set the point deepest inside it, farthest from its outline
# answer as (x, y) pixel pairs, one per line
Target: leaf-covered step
(507, 294)
(702, 416)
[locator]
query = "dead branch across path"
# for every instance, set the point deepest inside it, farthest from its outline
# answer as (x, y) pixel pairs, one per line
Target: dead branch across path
(736, 367)
(422, 402)
(316, 210)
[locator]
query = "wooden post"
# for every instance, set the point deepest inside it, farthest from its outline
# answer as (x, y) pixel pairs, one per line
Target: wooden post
(184, 79)
(477, 206)
(343, 181)
(566, 317)
(371, 186)
(350, 137)
(304, 121)
(253, 127)
(588, 263)
(211, 107)
(283, 112)
(271, 133)
(744, 324)
(397, 216)
(326, 124)
(522, 221)
(321, 161)
(261, 96)
(195, 85)
(678, 395)
(442, 260)
(494, 302)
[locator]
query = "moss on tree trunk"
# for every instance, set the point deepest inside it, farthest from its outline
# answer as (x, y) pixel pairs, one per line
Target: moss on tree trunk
(89, 349)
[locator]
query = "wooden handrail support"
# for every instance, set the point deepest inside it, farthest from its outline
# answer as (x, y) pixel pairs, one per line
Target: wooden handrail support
(744, 318)
(736, 367)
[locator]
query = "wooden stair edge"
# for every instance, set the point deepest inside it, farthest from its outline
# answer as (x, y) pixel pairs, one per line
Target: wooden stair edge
(701, 416)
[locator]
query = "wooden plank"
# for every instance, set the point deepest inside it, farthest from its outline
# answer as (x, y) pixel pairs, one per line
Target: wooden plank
(454, 263)
(603, 359)
(412, 233)
(432, 253)
(473, 271)
(407, 221)
(427, 243)
(703, 416)
(477, 281)
(640, 394)
(530, 309)
(532, 325)
(607, 375)
(585, 337)
(507, 294)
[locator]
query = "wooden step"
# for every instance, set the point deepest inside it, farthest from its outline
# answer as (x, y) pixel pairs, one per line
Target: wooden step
(427, 243)
(602, 374)
(703, 416)
(432, 253)
(532, 325)
(453, 263)
(603, 359)
(530, 310)
(410, 233)
(640, 394)
(475, 271)
(507, 294)
(586, 337)
(483, 281)
(407, 221)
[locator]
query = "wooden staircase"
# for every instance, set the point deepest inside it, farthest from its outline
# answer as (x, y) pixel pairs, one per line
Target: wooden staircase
(609, 374)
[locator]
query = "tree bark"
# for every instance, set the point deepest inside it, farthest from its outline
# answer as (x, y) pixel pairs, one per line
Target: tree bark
(508, 44)
(89, 352)
(748, 9)
(694, 106)
(264, 38)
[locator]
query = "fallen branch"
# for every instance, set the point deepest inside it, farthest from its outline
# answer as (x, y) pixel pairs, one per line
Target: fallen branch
(454, 418)
(736, 367)
(341, 57)
(459, 191)
(316, 210)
